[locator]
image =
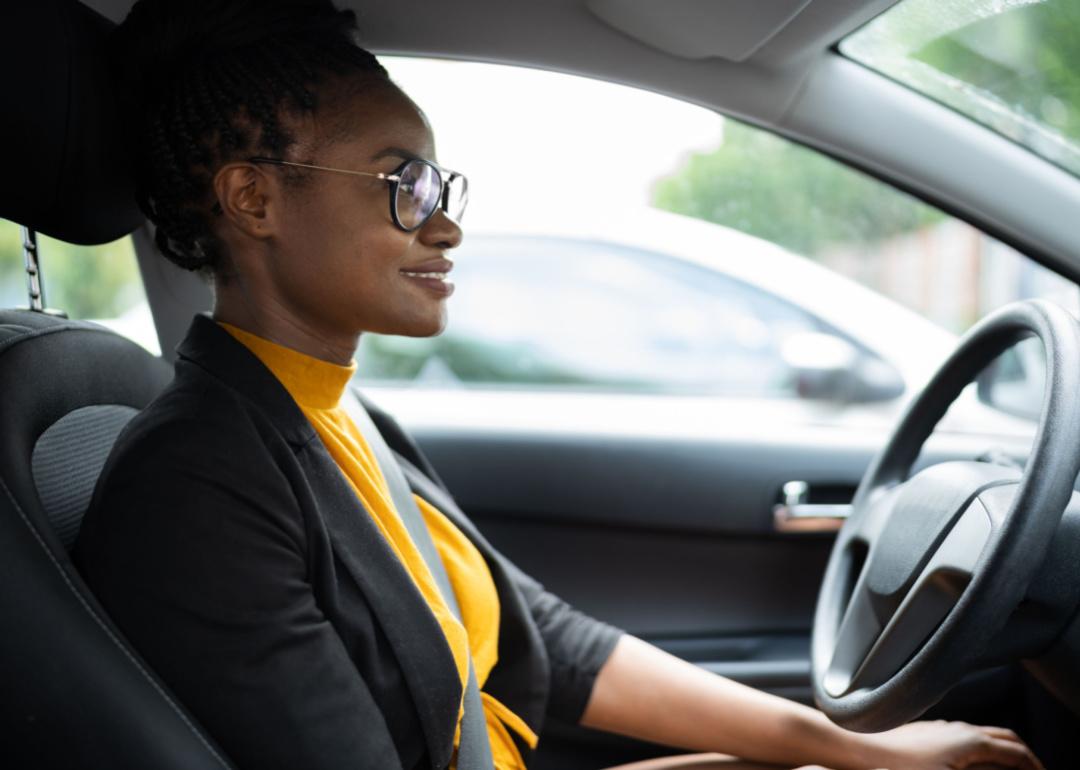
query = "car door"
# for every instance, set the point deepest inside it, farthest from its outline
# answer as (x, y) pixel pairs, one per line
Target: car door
(614, 402)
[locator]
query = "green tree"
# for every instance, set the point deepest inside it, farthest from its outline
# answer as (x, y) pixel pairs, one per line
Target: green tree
(785, 193)
(1026, 58)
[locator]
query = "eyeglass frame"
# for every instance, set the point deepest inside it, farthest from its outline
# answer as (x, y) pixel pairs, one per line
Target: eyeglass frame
(445, 175)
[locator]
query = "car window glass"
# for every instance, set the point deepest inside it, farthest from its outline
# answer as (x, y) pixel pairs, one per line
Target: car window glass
(625, 318)
(1013, 65)
(619, 240)
(96, 283)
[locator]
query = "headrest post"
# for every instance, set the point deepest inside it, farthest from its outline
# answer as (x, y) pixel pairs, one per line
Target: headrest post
(33, 270)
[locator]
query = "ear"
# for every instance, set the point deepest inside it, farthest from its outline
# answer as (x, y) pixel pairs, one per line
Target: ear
(249, 198)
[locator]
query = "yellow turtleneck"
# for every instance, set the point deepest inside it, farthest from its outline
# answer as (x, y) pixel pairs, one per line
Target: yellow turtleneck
(317, 387)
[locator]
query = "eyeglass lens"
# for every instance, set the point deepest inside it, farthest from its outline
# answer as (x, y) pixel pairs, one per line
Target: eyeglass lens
(457, 195)
(419, 194)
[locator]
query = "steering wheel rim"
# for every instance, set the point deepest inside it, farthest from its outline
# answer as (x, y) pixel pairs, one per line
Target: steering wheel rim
(898, 622)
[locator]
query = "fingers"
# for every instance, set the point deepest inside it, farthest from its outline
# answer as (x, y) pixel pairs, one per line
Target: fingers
(1010, 752)
(1003, 733)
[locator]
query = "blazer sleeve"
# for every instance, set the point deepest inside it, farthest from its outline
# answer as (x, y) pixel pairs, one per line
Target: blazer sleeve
(577, 644)
(196, 547)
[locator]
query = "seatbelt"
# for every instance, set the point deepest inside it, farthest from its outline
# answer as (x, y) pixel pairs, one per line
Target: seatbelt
(474, 751)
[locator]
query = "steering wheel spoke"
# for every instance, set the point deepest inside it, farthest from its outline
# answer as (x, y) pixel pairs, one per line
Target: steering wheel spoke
(858, 632)
(868, 522)
(861, 626)
(871, 649)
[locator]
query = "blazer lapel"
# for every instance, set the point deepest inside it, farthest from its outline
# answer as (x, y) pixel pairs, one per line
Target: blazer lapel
(418, 641)
(415, 634)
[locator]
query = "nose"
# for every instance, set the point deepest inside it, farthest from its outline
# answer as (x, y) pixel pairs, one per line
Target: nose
(441, 232)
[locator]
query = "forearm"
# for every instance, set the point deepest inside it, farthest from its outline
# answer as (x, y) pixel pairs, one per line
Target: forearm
(645, 693)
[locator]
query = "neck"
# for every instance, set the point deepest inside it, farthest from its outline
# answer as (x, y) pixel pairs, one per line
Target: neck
(272, 320)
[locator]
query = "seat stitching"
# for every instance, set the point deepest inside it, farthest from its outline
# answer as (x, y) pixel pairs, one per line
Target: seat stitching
(104, 627)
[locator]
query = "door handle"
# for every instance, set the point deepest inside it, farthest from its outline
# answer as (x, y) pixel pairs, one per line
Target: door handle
(794, 514)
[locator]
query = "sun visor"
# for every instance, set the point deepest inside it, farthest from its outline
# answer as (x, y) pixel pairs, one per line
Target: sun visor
(64, 171)
(700, 29)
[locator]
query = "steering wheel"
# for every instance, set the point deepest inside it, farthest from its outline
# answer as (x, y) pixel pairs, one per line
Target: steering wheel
(927, 569)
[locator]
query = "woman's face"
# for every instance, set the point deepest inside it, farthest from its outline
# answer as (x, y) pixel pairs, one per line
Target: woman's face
(338, 260)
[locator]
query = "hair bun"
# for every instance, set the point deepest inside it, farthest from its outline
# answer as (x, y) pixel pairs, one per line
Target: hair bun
(161, 38)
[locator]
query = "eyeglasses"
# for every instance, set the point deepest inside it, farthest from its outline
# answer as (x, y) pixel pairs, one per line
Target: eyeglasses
(418, 188)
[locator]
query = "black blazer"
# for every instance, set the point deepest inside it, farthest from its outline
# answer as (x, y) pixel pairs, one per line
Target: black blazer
(229, 548)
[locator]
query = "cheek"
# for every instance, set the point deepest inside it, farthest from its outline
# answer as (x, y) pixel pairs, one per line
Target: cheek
(346, 242)
(374, 253)
(363, 281)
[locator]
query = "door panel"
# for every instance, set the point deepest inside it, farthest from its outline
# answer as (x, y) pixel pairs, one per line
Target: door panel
(667, 585)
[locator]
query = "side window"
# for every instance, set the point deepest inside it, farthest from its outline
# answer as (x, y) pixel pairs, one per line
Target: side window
(564, 312)
(95, 283)
(623, 241)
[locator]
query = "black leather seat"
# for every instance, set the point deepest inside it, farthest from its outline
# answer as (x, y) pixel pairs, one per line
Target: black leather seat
(72, 692)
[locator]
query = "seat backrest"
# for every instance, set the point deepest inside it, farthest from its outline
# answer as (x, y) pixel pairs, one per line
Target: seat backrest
(67, 389)
(73, 693)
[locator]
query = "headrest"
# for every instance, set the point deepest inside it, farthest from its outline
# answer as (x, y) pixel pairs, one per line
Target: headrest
(64, 172)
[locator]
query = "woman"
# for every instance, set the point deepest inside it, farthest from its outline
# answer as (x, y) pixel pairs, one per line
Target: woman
(291, 566)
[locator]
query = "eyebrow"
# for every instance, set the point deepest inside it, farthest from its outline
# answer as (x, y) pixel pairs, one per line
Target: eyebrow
(396, 152)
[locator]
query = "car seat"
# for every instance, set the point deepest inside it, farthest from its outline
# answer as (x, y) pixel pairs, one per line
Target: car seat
(73, 692)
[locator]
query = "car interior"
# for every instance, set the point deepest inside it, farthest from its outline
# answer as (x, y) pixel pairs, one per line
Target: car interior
(950, 591)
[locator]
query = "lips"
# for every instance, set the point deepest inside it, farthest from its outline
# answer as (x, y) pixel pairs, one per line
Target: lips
(440, 266)
(431, 275)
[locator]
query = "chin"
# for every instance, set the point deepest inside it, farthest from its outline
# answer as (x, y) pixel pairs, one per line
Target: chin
(421, 327)
(413, 322)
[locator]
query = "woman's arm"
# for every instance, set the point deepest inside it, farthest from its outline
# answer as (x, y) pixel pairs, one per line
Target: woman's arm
(646, 693)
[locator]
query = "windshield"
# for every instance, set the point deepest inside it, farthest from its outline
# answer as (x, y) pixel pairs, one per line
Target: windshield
(1013, 65)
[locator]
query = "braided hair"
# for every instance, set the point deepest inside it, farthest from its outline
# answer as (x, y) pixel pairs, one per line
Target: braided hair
(206, 82)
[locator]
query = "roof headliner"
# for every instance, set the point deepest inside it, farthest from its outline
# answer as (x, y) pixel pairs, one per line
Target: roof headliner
(570, 36)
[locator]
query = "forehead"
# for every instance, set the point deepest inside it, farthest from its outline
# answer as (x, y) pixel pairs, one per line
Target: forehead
(371, 116)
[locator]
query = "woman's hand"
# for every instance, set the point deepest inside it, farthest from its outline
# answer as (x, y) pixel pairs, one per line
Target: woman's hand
(951, 746)
(646, 693)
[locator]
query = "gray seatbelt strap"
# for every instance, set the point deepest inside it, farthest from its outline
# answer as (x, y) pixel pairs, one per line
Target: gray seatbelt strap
(474, 751)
